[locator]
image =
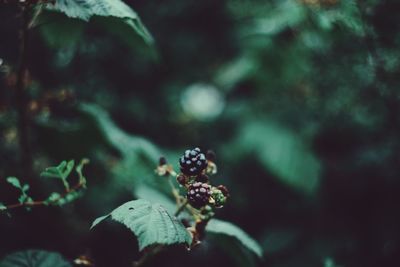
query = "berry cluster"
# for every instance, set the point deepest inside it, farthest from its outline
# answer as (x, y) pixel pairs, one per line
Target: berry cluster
(202, 197)
(195, 168)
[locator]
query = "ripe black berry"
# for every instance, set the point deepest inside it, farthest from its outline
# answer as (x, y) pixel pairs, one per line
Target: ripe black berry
(193, 162)
(199, 194)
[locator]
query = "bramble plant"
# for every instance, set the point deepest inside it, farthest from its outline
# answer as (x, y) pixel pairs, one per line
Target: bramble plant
(196, 202)
(154, 223)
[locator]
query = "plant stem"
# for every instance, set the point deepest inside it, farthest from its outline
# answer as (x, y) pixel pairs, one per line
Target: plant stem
(75, 188)
(175, 191)
(181, 208)
(21, 96)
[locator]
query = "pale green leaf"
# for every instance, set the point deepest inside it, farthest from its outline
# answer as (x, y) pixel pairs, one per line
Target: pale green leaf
(79, 169)
(62, 171)
(34, 258)
(2, 207)
(226, 228)
(14, 181)
(151, 223)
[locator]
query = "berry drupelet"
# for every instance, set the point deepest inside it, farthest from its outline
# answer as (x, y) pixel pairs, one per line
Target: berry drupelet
(199, 194)
(193, 162)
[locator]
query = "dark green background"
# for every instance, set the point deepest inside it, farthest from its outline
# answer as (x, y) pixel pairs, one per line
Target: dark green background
(307, 142)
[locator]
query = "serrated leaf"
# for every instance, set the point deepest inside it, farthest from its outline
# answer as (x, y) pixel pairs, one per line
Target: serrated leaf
(14, 181)
(85, 10)
(154, 196)
(150, 222)
(226, 228)
(34, 258)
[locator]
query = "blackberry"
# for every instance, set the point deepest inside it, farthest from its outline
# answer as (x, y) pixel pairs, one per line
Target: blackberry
(199, 194)
(193, 162)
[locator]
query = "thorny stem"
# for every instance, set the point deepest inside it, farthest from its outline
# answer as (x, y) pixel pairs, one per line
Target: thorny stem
(21, 96)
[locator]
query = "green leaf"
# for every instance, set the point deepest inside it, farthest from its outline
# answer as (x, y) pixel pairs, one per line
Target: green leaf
(154, 196)
(79, 168)
(151, 223)
(14, 181)
(138, 154)
(85, 10)
(2, 207)
(53, 198)
(125, 143)
(34, 258)
(62, 171)
(284, 153)
(226, 228)
(234, 248)
(60, 31)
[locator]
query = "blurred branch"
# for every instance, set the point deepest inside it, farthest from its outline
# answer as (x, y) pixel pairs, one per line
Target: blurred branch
(55, 198)
(46, 202)
(21, 96)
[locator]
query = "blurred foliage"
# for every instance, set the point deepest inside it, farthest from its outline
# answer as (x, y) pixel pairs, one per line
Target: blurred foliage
(34, 258)
(299, 98)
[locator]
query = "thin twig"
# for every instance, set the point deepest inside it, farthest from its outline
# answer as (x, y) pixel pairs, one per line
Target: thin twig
(45, 202)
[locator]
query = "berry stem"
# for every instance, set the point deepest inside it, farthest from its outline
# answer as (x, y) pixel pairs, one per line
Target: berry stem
(175, 192)
(75, 188)
(181, 208)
